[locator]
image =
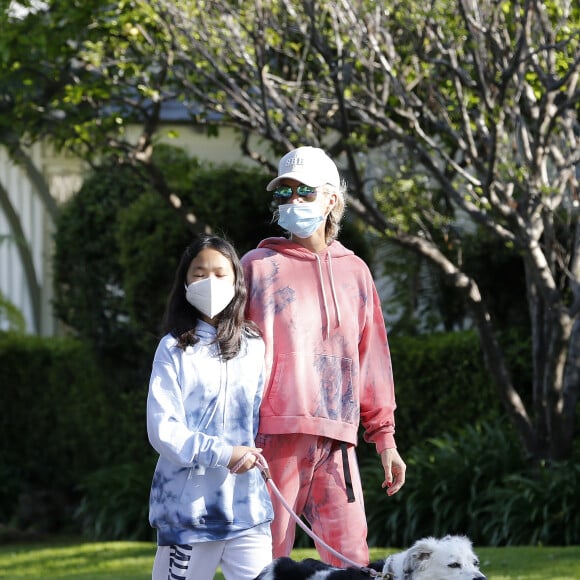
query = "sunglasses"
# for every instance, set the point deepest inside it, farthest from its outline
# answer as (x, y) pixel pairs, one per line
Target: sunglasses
(284, 192)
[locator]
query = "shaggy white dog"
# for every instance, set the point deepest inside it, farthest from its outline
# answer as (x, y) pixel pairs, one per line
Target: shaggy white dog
(435, 559)
(451, 557)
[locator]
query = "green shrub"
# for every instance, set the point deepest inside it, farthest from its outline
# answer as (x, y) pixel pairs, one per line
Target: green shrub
(62, 420)
(440, 384)
(540, 507)
(11, 478)
(475, 481)
(51, 400)
(150, 245)
(53, 420)
(445, 477)
(115, 501)
(88, 290)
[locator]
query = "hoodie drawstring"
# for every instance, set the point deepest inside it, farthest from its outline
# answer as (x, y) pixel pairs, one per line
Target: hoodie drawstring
(336, 306)
(334, 299)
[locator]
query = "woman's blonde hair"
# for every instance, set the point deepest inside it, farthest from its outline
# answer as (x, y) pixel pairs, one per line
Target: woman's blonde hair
(334, 218)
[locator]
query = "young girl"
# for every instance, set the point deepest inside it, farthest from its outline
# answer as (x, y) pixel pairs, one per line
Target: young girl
(202, 417)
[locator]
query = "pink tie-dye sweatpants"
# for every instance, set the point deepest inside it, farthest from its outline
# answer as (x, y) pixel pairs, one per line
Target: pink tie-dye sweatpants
(309, 472)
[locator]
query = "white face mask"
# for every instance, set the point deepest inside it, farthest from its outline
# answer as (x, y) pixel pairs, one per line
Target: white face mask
(300, 219)
(210, 295)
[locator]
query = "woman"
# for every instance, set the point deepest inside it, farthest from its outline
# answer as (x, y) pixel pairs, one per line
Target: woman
(328, 365)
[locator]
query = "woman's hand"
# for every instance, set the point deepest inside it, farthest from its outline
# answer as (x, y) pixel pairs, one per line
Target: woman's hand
(395, 469)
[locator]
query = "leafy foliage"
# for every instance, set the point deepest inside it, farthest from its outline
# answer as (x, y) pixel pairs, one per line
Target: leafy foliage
(54, 428)
(44, 395)
(115, 502)
(11, 318)
(447, 120)
(536, 508)
(64, 419)
(86, 59)
(453, 362)
(87, 276)
(475, 481)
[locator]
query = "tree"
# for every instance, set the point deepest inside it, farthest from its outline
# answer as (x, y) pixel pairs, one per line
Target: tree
(477, 104)
(449, 118)
(79, 74)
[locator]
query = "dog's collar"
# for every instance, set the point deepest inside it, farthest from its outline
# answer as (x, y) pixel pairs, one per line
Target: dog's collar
(375, 574)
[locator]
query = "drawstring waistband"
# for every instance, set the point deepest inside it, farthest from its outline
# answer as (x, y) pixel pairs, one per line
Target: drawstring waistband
(346, 469)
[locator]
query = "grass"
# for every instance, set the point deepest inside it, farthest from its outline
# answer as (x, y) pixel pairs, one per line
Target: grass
(77, 560)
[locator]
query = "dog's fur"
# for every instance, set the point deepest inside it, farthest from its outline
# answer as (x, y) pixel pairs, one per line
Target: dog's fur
(451, 557)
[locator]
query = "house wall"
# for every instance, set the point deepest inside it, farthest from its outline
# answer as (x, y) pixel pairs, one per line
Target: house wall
(36, 231)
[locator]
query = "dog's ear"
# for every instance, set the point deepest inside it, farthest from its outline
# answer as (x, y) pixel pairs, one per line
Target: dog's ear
(418, 553)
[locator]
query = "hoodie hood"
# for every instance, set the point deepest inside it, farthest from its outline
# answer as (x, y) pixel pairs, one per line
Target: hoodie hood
(291, 248)
(332, 252)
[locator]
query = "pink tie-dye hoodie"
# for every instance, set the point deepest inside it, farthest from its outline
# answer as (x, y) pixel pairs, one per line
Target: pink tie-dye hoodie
(328, 365)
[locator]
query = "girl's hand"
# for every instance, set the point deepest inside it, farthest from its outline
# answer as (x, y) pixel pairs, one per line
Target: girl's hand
(243, 458)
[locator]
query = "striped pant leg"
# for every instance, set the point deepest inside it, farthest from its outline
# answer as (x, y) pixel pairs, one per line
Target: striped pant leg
(187, 562)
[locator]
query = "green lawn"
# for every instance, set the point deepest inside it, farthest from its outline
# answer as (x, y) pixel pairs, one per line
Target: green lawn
(74, 560)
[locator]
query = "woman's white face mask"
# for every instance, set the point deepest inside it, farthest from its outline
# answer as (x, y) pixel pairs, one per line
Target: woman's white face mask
(301, 219)
(210, 295)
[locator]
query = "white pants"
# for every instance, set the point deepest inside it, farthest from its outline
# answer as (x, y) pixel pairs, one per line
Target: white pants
(240, 559)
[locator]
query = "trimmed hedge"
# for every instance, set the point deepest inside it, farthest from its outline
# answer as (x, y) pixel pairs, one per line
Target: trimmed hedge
(440, 383)
(61, 421)
(51, 401)
(74, 454)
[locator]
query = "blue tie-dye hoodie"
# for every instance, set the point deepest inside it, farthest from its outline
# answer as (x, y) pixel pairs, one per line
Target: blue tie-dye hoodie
(198, 408)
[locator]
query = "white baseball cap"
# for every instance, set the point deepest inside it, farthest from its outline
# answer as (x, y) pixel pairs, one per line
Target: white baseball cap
(308, 165)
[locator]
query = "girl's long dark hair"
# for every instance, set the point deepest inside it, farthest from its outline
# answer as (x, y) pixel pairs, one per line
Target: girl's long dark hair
(181, 317)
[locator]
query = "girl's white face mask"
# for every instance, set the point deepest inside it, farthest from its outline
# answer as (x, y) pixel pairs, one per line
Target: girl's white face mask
(301, 219)
(210, 295)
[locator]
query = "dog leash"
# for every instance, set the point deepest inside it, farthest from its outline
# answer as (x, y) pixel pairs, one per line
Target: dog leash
(262, 465)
